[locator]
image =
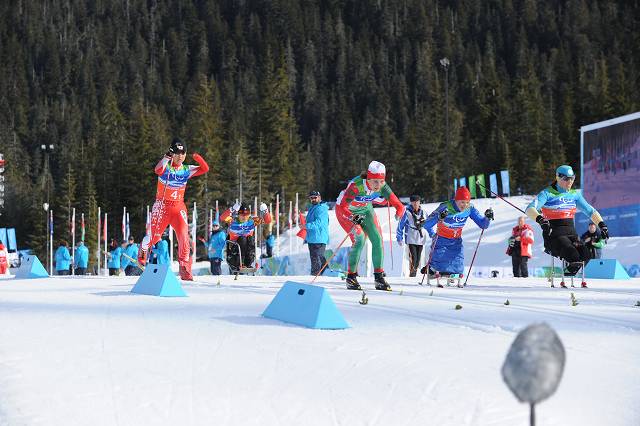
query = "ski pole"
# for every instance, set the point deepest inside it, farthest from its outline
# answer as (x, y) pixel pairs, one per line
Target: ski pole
(433, 246)
(334, 253)
(508, 202)
(133, 261)
(390, 241)
(473, 258)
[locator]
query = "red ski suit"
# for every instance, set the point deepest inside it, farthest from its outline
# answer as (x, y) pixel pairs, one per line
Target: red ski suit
(169, 208)
(3, 260)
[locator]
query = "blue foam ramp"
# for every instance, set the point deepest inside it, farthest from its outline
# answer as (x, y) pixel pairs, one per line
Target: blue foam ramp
(158, 280)
(605, 268)
(306, 305)
(30, 267)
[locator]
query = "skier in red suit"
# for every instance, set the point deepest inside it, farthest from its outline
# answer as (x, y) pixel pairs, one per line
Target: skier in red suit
(169, 208)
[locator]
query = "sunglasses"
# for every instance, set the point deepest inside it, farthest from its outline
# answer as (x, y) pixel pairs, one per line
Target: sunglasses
(567, 178)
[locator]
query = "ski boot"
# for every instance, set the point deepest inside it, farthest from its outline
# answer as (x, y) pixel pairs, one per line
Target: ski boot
(185, 271)
(381, 283)
(352, 281)
(142, 253)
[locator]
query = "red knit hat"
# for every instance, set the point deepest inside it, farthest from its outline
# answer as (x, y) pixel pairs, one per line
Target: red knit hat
(463, 194)
(376, 170)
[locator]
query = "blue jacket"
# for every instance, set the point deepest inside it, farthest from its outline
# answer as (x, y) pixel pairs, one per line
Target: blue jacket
(448, 255)
(131, 251)
(82, 256)
(455, 219)
(63, 258)
(161, 250)
(554, 202)
(271, 240)
(114, 259)
(216, 243)
(317, 225)
(242, 229)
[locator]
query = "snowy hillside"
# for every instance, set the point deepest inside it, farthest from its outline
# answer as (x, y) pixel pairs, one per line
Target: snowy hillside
(491, 254)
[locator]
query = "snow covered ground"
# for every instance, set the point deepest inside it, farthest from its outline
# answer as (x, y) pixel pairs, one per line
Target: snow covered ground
(85, 351)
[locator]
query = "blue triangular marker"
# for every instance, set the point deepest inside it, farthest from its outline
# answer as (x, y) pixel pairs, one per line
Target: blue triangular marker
(307, 305)
(158, 280)
(30, 267)
(605, 268)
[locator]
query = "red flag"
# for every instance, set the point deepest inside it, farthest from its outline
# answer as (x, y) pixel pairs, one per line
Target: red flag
(225, 215)
(302, 221)
(82, 227)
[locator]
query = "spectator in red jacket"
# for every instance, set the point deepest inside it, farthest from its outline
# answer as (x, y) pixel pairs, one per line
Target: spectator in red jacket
(3, 259)
(520, 247)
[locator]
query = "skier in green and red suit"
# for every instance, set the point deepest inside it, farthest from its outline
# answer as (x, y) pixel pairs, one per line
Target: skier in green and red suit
(354, 210)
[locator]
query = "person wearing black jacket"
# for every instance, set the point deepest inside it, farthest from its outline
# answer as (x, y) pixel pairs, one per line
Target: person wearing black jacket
(594, 241)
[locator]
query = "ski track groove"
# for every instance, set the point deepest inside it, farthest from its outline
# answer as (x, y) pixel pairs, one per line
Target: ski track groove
(581, 316)
(472, 302)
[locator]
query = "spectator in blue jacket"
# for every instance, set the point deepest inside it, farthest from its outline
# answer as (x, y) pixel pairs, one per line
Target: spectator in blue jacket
(81, 258)
(215, 247)
(317, 227)
(63, 259)
(115, 252)
(131, 250)
(161, 251)
(270, 242)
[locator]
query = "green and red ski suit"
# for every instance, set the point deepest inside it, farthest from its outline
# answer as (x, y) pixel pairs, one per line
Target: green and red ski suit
(359, 199)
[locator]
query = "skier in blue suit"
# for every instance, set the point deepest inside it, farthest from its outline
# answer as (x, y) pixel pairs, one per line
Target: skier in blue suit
(450, 217)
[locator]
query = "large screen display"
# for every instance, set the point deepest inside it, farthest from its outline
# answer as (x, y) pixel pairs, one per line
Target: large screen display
(611, 173)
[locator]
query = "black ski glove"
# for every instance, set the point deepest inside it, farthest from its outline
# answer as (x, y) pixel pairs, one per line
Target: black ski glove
(545, 225)
(604, 230)
(357, 219)
(443, 214)
(489, 214)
